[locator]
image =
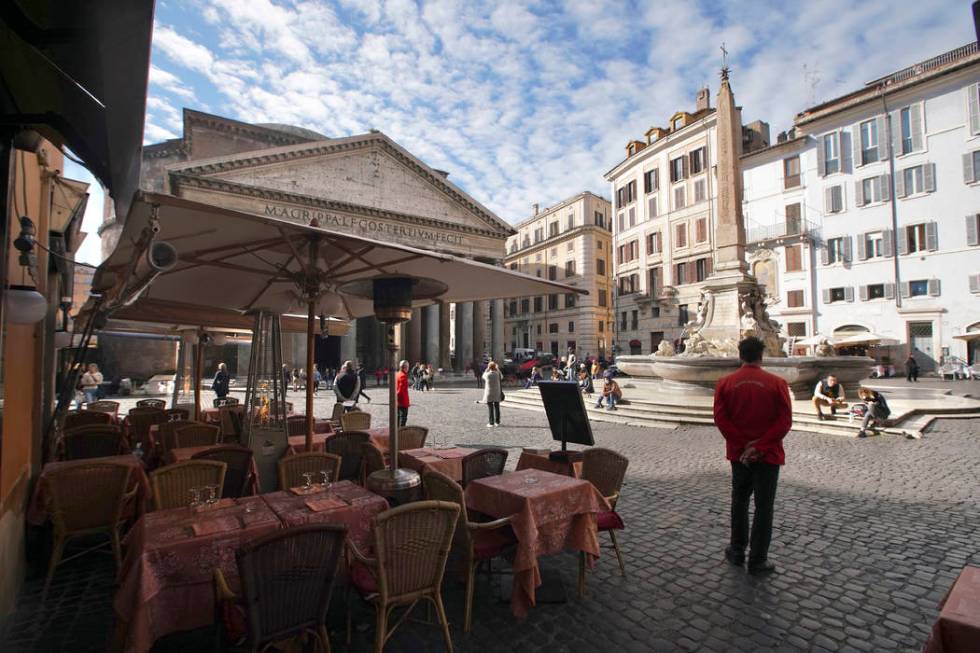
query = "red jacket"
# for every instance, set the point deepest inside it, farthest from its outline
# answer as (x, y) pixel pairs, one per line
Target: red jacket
(401, 389)
(753, 405)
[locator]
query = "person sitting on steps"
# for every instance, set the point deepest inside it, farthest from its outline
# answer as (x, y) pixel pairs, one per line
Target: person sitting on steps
(828, 392)
(610, 392)
(876, 410)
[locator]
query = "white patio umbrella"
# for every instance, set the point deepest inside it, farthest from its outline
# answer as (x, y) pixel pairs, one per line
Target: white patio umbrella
(864, 338)
(812, 341)
(177, 250)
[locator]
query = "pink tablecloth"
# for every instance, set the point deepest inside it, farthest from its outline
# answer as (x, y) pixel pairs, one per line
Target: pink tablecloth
(551, 514)
(958, 628)
(530, 460)
(445, 461)
(37, 510)
(165, 584)
(356, 507)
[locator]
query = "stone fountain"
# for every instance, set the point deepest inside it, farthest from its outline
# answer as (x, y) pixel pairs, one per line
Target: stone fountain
(733, 305)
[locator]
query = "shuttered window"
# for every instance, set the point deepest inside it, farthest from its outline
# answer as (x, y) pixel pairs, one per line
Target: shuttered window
(791, 172)
(651, 181)
(915, 180)
(973, 229)
(834, 199)
(680, 235)
(794, 299)
(701, 230)
(794, 258)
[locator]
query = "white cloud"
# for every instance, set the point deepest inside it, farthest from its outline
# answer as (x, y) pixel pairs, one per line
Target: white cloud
(170, 82)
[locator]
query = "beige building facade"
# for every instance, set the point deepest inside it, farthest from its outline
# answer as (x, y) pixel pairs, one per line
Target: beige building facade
(365, 184)
(665, 213)
(568, 242)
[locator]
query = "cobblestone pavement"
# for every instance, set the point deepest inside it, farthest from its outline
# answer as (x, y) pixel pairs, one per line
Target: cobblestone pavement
(869, 535)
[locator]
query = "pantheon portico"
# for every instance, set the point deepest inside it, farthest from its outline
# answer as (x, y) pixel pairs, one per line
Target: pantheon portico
(365, 184)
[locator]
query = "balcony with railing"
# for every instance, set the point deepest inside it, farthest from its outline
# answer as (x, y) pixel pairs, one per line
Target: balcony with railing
(782, 230)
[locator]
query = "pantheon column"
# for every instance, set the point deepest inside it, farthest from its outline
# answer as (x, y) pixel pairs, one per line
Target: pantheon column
(464, 335)
(414, 345)
(497, 346)
(348, 344)
(479, 331)
(443, 361)
(431, 344)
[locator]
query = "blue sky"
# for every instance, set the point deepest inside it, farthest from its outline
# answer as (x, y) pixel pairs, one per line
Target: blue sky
(522, 102)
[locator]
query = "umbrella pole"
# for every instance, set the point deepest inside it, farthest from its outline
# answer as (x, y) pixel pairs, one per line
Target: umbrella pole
(392, 396)
(310, 344)
(198, 374)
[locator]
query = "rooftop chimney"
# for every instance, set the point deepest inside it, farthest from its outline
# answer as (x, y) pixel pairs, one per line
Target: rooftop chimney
(702, 100)
(534, 207)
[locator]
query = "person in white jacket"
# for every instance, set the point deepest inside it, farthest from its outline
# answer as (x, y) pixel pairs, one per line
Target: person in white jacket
(828, 392)
(492, 393)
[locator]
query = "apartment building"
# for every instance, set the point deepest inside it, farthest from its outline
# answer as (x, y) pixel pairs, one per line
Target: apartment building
(665, 206)
(865, 216)
(568, 242)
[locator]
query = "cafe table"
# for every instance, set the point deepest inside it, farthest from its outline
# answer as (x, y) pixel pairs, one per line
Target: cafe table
(550, 513)
(540, 460)
(957, 630)
(37, 509)
(344, 503)
(446, 461)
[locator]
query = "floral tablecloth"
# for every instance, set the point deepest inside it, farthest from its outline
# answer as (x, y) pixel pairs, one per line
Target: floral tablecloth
(957, 630)
(529, 460)
(551, 512)
(37, 510)
(165, 584)
(445, 461)
(354, 507)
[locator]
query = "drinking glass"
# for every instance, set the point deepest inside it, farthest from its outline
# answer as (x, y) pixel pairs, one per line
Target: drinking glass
(309, 481)
(325, 479)
(531, 480)
(195, 497)
(212, 495)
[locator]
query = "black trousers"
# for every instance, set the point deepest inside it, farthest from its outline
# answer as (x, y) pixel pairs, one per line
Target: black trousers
(757, 479)
(402, 416)
(494, 408)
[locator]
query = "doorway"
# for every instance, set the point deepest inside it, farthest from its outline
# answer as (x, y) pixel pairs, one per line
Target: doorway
(920, 341)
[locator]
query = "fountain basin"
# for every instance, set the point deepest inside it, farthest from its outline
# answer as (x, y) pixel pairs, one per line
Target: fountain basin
(699, 375)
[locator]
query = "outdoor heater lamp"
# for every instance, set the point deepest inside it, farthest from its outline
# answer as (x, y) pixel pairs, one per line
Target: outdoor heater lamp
(393, 297)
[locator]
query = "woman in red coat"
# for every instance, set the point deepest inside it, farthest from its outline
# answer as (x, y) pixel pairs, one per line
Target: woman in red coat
(401, 393)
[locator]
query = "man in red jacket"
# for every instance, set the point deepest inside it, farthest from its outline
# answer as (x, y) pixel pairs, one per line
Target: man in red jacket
(754, 413)
(401, 393)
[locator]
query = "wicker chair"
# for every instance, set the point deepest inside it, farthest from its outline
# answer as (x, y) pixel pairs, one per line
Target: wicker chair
(296, 425)
(231, 423)
(356, 420)
(483, 463)
(196, 435)
(292, 468)
(347, 445)
(91, 442)
(225, 401)
(373, 459)
(606, 469)
(140, 420)
(412, 437)
(85, 498)
(172, 484)
(151, 403)
(474, 542)
(181, 412)
(78, 418)
(165, 433)
(238, 475)
(411, 545)
(287, 579)
(104, 406)
(338, 412)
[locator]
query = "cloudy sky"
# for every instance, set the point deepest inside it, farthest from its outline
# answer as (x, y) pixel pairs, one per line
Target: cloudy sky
(522, 102)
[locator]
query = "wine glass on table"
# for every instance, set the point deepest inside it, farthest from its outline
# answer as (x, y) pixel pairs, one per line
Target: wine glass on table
(324, 479)
(195, 497)
(309, 481)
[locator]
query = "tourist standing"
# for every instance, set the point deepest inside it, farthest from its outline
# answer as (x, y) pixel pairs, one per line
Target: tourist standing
(911, 369)
(378, 372)
(492, 393)
(222, 380)
(362, 382)
(572, 368)
(286, 377)
(347, 386)
(754, 413)
(89, 383)
(401, 393)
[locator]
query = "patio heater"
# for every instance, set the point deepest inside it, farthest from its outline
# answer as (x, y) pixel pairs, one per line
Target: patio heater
(264, 411)
(393, 297)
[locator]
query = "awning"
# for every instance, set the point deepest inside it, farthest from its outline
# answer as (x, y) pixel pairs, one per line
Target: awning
(968, 336)
(866, 338)
(77, 73)
(239, 262)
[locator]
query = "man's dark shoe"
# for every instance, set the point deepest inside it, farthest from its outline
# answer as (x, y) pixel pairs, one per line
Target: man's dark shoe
(737, 558)
(862, 434)
(821, 417)
(760, 568)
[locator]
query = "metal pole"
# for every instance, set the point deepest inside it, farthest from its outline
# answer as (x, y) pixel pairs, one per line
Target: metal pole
(893, 199)
(198, 373)
(392, 398)
(310, 341)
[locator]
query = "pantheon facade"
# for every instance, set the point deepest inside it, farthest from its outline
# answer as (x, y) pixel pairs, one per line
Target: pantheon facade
(366, 185)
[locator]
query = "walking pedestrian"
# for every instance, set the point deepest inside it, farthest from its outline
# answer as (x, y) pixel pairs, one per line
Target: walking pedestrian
(362, 381)
(222, 380)
(753, 411)
(347, 386)
(401, 393)
(317, 378)
(492, 393)
(911, 369)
